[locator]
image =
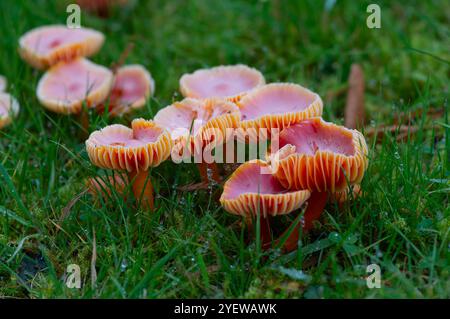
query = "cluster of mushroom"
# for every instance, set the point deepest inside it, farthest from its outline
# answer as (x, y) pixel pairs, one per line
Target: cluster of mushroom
(9, 107)
(315, 159)
(72, 82)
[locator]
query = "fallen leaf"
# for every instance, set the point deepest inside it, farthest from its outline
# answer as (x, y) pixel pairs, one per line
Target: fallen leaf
(66, 210)
(193, 186)
(354, 108)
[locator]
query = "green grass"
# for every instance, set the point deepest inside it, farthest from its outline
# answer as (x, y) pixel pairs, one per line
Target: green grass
(190, 247)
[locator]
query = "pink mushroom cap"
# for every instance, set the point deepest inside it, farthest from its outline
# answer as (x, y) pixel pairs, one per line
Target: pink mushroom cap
(45, 46)
(277, 106)
(229, 82)
(133, 85)
(319, 156)
(138, 148)
(65, 86)
(249, 191)
(199, 121)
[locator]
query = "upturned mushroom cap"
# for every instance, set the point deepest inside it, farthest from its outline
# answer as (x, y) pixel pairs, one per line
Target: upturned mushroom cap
(3, 83)
(319, 156)
(66, 86)
(9, 108)
(248, 192)
(198, 122)
(45, 46)
(278, 105)
(133, 85)
(228, 82)
(134, 149)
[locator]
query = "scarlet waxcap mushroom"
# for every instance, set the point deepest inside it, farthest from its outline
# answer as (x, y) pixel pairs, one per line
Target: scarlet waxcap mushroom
(133, 85)
(144, 145)
(45, 46)
(3, 83)
(228, 82)
(248, 192)
(319, 156)
(9, 108)
(198, 122)
(132, 150)
(66, 86)
(278, 105)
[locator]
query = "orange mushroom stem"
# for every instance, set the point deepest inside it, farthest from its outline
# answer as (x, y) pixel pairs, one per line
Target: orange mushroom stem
(316, 205)
(209, 172)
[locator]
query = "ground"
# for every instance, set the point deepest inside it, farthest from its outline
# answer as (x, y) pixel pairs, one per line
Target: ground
(190, 247)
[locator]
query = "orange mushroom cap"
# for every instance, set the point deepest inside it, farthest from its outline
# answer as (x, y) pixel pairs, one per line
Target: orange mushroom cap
(278, 105)
(228, 82)
(9, 108)
(45, 46)
(65, 86)
(133, 85)
(3, 83)
(319, 156)
(248, 192)
(134, 149)
(198, 122)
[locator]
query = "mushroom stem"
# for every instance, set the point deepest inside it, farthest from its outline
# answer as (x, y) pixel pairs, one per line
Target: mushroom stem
(316, 205)
(203, 168)
(142, 188)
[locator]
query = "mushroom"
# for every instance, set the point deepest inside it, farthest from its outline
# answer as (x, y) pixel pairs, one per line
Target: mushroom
(65, 86)
(197, 124)
(3, 83)
(321, 157)
(134, 150)
(248, 192)
(277, 106)
(45, 46)
(228, 82)
(100, 7)
(133, 85)
(9, 108)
